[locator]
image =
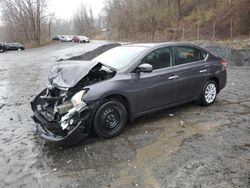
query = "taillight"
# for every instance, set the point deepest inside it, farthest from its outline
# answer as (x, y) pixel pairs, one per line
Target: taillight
(224, 63)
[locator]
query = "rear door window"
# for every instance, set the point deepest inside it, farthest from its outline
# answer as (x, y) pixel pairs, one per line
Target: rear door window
(160, 58)
(186, 54)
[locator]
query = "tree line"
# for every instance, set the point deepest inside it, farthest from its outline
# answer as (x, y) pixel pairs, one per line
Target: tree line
(129, 19)
(29, 22)
(26, 20)
(176, 19)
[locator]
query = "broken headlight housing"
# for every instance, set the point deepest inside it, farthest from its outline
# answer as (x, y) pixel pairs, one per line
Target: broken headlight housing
(77, 98)
(78, 105)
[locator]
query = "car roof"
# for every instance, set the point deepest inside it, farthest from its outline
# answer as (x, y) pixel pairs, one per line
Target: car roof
(152, 45)
(15, 43)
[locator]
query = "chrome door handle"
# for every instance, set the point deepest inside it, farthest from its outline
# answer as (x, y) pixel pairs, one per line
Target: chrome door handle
(173, 77)
(204, 70)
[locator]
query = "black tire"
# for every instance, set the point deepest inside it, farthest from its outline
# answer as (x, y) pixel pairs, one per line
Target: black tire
(204, 99)
(110, 119)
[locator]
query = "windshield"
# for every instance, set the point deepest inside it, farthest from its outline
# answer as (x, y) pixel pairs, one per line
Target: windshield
(119, 57)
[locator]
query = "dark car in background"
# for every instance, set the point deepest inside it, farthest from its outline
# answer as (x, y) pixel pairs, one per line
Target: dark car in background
(56, 38)
(122, 84)
(14, 46)
(2, 47)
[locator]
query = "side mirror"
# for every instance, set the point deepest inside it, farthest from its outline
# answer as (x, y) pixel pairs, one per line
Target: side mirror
(145, 67)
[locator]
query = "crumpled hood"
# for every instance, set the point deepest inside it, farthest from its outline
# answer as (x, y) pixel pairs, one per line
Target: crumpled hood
(67, 75)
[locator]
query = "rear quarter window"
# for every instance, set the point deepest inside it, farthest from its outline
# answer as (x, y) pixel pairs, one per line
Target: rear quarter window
(186, 54)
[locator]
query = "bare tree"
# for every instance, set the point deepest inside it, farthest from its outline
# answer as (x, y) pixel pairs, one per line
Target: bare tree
(151, 19)
(25, 19)
(84, 22)
(179, 9)
(130, 18)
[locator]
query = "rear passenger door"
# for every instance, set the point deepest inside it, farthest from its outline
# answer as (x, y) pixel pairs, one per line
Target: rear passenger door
(191, 71)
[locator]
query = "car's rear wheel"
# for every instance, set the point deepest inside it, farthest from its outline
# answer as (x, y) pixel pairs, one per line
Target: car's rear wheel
(209, 93)
(110, 119)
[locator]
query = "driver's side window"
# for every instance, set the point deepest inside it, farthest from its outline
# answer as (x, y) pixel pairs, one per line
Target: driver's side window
(160, 58)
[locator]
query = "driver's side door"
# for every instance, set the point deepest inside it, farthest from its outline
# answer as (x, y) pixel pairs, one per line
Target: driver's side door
(154, 90)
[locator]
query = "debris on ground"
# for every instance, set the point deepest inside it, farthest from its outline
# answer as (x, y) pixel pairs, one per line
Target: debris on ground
(182, 124)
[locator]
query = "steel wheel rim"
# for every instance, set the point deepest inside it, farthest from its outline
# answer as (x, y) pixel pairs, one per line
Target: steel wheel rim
(110, 119)
(210, 93)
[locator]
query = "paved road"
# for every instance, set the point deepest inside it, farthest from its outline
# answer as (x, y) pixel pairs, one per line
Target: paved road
(188, 146)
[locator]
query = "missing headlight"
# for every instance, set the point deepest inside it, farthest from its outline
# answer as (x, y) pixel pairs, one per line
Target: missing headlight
(66, 119)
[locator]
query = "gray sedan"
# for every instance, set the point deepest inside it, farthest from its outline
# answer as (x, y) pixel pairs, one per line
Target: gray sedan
(121, 84)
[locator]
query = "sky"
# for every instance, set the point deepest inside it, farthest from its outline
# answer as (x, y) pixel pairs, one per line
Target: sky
(64, 9)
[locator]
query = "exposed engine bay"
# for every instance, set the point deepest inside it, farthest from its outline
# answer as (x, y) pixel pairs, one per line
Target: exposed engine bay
(59, 110)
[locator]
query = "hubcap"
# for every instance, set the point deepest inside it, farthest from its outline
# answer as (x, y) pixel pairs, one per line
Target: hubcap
(110, 118)
(210, 93)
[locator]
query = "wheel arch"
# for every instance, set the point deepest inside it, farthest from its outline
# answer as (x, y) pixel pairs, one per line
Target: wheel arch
(216, 80)
(122, 99)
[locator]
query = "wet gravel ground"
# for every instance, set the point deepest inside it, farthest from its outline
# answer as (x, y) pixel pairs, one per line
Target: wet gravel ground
(187, 146)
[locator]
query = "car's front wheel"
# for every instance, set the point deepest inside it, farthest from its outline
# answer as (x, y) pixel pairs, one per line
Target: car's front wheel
(110, 119)
(209, 93)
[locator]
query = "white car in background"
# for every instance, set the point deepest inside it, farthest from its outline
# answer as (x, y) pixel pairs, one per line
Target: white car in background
(68, 38)
(84, 39)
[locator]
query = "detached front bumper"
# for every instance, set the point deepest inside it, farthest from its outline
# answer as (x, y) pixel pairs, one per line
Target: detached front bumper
(79, 132)
(49, 128)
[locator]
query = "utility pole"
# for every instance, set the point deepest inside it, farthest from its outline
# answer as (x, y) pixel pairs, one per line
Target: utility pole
(214, 30)
(38, 21)
(231, 28)
(183, 33)
(198, 31)
(174, 35)
(231, 21)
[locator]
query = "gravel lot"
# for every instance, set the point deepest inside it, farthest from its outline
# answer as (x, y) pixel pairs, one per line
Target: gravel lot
(187, 146)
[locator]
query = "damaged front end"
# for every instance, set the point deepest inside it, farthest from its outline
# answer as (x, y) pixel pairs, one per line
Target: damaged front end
(59, 120)
(61, 114)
